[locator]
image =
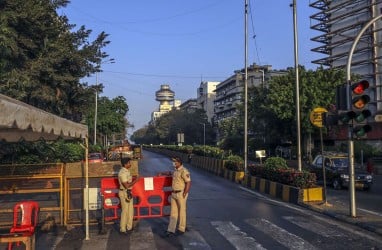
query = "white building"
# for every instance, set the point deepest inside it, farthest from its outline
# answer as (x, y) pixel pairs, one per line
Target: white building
(165, 96)
(206, 97)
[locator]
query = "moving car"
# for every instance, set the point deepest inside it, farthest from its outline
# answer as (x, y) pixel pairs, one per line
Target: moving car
(337, 171)
(95, 158)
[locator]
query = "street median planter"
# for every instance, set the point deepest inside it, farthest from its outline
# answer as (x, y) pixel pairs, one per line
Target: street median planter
(284, 192)
(235, 176)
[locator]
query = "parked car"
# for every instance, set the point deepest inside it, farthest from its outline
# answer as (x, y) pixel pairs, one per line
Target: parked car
(95, 158)
(337, 171)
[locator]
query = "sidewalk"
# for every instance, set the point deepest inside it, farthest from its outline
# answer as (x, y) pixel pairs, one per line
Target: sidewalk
(365, 219)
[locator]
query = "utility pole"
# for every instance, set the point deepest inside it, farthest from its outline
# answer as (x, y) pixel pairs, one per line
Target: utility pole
(245, 86)
(96, 110)
(353, 210)
(297, 86)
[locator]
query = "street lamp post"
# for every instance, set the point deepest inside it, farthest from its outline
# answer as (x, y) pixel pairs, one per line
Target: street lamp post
(204, 137)
(297, 86)
(96, 110)
(245, 85)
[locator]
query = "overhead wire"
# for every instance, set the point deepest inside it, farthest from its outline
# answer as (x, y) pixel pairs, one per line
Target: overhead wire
(254, 33)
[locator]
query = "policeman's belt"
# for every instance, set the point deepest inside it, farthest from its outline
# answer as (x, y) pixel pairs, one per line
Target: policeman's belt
(177, 191)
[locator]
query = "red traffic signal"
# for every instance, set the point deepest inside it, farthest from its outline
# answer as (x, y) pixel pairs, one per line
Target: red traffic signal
(359, 102)
(360, 87)
(359, 99)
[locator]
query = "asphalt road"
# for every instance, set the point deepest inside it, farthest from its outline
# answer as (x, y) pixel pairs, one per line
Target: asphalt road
(366, 200)
(224, 215)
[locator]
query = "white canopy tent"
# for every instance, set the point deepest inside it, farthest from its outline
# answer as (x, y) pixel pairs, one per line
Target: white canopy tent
(20, 121)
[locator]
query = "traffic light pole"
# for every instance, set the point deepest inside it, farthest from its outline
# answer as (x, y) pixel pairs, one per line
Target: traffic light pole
(350, 128)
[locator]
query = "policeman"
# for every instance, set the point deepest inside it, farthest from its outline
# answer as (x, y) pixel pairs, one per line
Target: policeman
(181, 183)
(126, 183)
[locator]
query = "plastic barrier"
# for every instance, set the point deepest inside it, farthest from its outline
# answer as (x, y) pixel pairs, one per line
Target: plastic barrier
(150, 195)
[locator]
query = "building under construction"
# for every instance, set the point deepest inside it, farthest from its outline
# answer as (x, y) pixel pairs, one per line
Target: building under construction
(340, 22)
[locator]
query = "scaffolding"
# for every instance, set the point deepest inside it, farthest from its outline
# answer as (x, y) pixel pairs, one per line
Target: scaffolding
(339, 22)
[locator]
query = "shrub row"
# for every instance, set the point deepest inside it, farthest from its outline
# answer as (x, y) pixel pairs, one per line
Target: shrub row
(274, 168)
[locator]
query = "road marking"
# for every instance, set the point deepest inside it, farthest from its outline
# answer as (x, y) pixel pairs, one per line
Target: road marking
(343, 225)
(193, 240)
(235, 236)
(282, 236)
(370, 212)
(314, 227)
(142, 239)
(102, 241)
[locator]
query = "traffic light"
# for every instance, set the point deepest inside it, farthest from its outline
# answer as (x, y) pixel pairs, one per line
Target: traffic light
(359, 111)
(341, 98)
(346, 116)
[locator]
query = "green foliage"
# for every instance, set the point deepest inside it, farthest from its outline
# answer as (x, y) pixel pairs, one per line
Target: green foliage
(165, 130)
(276, 163)
(234, 163)
(42, 152)
(368, 151)
(43, 58)
(272, 110)
(67, 152)
(288, 176)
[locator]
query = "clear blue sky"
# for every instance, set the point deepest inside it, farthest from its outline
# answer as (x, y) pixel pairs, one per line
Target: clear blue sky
(180, 43)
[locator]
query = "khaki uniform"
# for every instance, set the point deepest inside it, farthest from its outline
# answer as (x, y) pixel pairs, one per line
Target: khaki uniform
(127, 214)
(178, 203)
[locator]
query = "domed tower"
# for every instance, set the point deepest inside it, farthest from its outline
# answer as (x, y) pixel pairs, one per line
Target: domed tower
(165, 96)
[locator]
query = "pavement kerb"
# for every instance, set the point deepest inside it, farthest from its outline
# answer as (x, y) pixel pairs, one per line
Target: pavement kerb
(344, 218)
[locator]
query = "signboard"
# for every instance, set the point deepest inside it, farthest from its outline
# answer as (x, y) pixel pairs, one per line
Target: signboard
(316, 116)
(149, 183)
(260, 153)
(378, 118)
(180, 137)
(94, 199)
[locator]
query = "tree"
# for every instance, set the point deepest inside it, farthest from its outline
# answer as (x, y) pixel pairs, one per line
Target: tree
(165, 128)
(275, 107)
(42, 60)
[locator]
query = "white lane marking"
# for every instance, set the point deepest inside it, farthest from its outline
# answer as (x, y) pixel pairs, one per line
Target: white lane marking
(370, 212)
(282, 236)
(235, 236)
(314, 227)
(102, 241)
(193, 240)
(142, 239)
(343, 225)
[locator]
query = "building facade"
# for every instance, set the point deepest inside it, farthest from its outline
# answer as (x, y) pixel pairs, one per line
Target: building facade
(229, 92)
(340, 22)
(206, 97)
(165, 96)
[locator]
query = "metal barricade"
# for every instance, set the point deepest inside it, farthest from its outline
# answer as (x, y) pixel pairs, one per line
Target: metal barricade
(150, 195)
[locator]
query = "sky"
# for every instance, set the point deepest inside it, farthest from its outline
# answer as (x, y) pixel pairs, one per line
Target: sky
(181, 43)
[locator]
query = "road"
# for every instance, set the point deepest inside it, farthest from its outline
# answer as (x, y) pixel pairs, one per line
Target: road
(369, 201)
(224, 215)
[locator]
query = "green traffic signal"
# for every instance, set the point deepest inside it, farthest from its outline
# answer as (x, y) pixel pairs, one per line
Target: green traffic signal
(361, 131)
(346, 117)
(361, 116)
